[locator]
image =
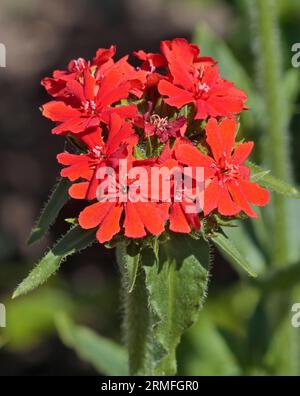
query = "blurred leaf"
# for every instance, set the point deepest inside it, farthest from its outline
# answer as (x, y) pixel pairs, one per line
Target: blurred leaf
(131, 262)
(75, 240)
(257, 176)
(227, 248)
(258, 335)
(105, 355)
(270, 182)
(57, 200)
(280, 279)
(205, 352)
(246, 245)
(31, 319)
(270, 312)
(291, 86)
(293, 229)
(282, 357)
(177, 287)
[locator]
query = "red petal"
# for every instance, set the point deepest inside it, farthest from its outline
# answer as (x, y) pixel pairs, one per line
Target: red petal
(211, 196)
(78, 190)
(77, 171)
(76, 89)
(77, 125)
(240, 199)
(226, 205)
(178, 221)
(134, 227)
(112, 89)
(91, 137)
(59, 111)
(110, 225)
(180, 56)
(151, 217)
(255, 193)
(94, 214)
(177, 97)
(70, 159)
(191, 156)
(242, 152)
(228, 131)
(225, 106)
(89, 85)
(214, 138)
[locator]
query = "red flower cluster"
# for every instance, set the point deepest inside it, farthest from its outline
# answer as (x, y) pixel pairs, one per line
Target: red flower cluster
(174, 110)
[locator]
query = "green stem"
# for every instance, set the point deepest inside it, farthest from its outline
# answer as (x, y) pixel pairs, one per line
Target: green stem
(162, 297)
(136, 314)
(275, 148)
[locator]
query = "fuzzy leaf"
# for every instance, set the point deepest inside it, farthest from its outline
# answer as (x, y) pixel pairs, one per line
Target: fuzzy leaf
(105, 355)
(57, 200)
(73, 241)
(131, 261)
(270, 182)
(227, 248)
(176, 288)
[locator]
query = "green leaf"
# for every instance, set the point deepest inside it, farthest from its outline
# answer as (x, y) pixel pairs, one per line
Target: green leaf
(57, 200)
(177, 288)
(139, 153)
(204, 351)
(293, 221)
(30, 319)
(269, 314)
(272, 183)
(280, 279)
(75, 240)
(291, 86)
(227, 249)
(131, 262)
(257, 176)
(105, 355)
(241, 237)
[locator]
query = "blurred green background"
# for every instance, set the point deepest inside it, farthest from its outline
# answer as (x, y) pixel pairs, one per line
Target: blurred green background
(244, 328)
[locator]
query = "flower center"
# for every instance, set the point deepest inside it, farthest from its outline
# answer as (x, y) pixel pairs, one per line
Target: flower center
(203, 87)
(98, 152)
(78, 65)
(159, 122)
(89, 106)
(226, 171)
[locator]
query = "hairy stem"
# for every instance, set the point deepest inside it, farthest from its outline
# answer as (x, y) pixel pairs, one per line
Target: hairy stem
(275, 147)
(136, 314)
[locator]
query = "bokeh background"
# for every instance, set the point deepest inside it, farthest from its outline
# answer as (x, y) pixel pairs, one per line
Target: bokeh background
(42, 36)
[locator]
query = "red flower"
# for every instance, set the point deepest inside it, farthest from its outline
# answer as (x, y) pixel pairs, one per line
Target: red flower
(139, 217)
(228, 189)
(180, 218)
(88, 103)
(148, 69)
(196, 80)
(150, 61)
(102, 62)
(119, 144)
